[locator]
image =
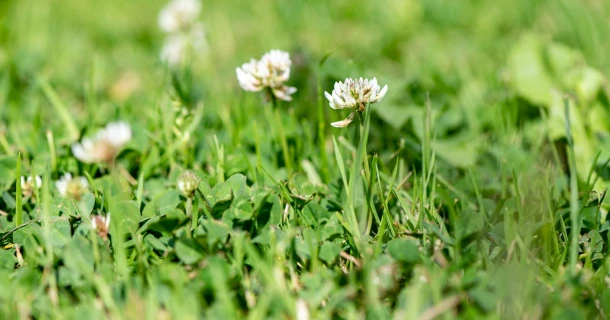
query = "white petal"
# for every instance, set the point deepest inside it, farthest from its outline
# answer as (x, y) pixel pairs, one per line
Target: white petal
(84, 183)
(81, 154)
(338, 102)
(373, 95)
(382, 93)
(343, 123)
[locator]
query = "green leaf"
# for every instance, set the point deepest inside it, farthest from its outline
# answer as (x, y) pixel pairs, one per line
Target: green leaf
(7, 259)
(127, 212)
(7, 171)
(86, 204)
(529, 75)
(235, 185)
(468, 222)
(404, 250)
(329, 251)
(484, 299)
(188, 251)
(155, 243)
(216, 231)
(78, 256)
(60, 233)
(163, 224)
(162, 204)
(220, 207)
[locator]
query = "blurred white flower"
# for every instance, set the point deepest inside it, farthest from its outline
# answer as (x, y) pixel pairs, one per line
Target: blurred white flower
(105, 145)
(177, 47)
(29, 185)
(354, 94)
(271, 71)
(72, 187)
(174, 50)
(302, 310)
(101, 225)
(185, 36)
(179, 15)
(188, 183)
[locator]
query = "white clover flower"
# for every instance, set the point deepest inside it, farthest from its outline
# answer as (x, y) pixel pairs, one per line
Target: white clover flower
(174, 50)
(101, 225)
(179, 15)
(72, 187)
(188, 183)
(29, 185)
(271, 71)
(177, 47)
(354, 94)
(302, 310)
(105, 145)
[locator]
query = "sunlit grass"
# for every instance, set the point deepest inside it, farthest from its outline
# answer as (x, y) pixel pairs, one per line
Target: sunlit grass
(474, 189)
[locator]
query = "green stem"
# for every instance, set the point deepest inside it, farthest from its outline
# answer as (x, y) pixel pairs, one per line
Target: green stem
(574, 205)
(257, 141)
(283, 142)
(281, 136)
(51, 142)
(322, 132)
(5, 145)
(96, 249)
(61, 109)
(365, 158)
(189, 213)
(18, 195)
(220, 165)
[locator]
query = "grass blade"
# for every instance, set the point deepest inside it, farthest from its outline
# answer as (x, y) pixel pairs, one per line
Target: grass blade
(18, 194)
(61, 109)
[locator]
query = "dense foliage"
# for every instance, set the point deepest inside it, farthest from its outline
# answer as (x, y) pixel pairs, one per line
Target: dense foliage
(465, 192)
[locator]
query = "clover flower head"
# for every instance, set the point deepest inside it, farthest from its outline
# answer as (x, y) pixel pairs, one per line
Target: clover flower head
(101, 225)
(179, 15)
(271, 71)
(70, 187)
(174, 50)
(188, 182)
(29, 184)
(354, 94)
(302, 310)
(105, 145)
(177, 47)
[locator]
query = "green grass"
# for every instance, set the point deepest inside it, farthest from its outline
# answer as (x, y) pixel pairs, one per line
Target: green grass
(474, 190)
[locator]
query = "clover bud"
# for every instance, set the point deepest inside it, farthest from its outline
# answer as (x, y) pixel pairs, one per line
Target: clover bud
(188, 183)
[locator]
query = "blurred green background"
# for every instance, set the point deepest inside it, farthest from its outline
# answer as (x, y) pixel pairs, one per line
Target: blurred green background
(485, 64)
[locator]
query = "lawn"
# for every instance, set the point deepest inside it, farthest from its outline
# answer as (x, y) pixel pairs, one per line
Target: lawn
(245, 159)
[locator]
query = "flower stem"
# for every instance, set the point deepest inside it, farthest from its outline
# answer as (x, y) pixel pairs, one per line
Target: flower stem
(189, 214)
(281, 136)
(18, 194)
(322, 131)
(257, 141)
(283, 142)
(365, 159)
(51, 142)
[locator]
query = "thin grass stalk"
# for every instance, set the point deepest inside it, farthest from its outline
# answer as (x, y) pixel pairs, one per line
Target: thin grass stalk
(281, 136)
(574, 205)
(322, 131)
(18, 194)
